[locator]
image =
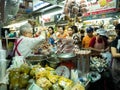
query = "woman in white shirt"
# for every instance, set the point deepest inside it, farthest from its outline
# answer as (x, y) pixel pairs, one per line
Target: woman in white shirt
(25, 44)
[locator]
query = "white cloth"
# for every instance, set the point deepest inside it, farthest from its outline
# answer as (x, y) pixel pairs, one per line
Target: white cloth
(76, 34)
(27, 44)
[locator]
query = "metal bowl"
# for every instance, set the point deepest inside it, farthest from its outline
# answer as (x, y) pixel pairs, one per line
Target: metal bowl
(53, 62)
(66, 56)
(35, 59)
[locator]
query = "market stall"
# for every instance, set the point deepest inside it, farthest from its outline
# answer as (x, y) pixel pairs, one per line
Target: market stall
(62, 66)
(55, 71)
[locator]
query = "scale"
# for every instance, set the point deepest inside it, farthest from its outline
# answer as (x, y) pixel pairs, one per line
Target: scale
(63, 71)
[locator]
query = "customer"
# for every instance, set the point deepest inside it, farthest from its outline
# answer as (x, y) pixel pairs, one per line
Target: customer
(51, 35)
(82, 33)
(51, 32)
(74, 35)
(115, 50)
(26, 43)
(75, 32)
(61, 34)
(86, 39)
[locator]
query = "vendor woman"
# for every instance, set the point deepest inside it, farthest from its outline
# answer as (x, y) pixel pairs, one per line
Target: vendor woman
(26, 43)
(99, 43)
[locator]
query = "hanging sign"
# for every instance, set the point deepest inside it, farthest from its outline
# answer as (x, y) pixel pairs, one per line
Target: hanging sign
(100, 6)
(37, 4)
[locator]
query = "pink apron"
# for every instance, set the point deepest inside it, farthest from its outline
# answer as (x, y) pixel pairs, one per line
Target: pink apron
(99, 45)
(16, 47)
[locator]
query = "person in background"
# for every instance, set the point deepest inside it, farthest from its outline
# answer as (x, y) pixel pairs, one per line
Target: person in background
(50, 31)
(12, 33)
(82, 33)
(86, 39)
(74, 35)
(99, 43)
(115, 50)
(61, 32)
(70, 33)
(51, 35)
(75, 32)
(26, 43)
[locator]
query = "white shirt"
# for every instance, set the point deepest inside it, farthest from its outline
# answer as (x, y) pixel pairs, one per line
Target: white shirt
(27, 44)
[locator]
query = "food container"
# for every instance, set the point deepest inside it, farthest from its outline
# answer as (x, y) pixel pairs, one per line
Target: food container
(53, 62)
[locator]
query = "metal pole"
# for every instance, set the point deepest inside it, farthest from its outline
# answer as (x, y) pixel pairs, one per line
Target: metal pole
(2, 5)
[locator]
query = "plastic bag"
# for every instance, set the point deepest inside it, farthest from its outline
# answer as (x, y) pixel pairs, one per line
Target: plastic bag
(17, 61)
(107, 56)
(33, 86)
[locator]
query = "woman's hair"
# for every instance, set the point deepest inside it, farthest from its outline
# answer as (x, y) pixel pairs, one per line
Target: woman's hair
(117, 28)
(62, 27)
(74, 28)
(25, 28)
(51, 29)
(82, 31)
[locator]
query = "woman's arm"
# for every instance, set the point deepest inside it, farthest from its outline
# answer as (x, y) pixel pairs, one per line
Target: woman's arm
(94, 49)
(114, 52)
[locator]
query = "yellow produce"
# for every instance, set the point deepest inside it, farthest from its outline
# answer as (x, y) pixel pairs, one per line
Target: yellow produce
(78, 87)
(24, 78)
(43, 82)
(52, 78)
(25, 68)
(49, 68)
(34, 69)
(14, 80)
(41, 73)
(64, 82)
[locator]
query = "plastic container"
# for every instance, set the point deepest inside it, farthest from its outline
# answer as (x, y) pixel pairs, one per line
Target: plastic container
(83, 62)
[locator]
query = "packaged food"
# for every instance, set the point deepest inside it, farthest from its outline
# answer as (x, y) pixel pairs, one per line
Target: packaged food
(43, 82)
(78, 87)
(64, 82)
